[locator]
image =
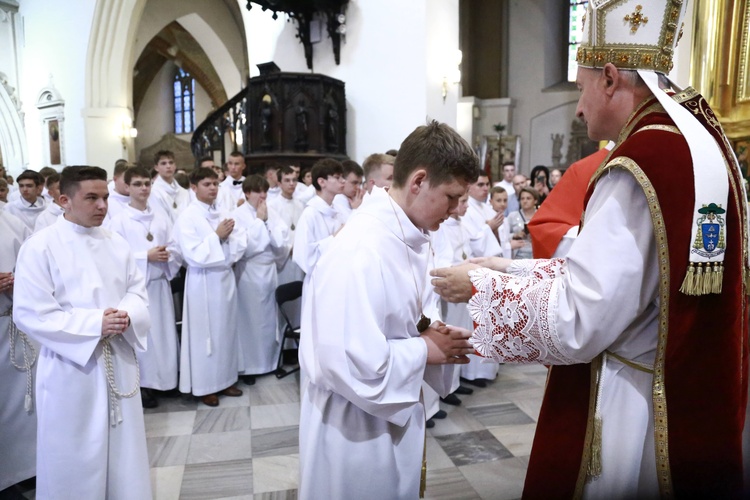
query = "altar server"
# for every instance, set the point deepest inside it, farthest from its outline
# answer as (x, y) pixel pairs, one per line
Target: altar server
(17, 415)
(79, 293)
(149, 234)
(210, 244)
(257, 278)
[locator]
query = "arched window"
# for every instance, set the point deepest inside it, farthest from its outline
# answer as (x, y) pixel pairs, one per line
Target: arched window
(184, 102)
(575, 31)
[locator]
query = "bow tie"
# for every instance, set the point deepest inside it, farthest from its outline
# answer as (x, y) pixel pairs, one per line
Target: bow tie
(235, 183)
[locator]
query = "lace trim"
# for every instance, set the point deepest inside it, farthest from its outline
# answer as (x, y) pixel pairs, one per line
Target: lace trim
(541, 269)
(516, 317)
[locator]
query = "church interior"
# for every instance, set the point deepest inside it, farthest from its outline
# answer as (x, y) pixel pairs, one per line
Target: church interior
(91, 82)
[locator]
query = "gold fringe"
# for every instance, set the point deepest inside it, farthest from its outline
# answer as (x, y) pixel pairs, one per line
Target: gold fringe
(687, 283)
(423, 475)
(718, 277)
(703, 278)
(708, 278)
(595, 461)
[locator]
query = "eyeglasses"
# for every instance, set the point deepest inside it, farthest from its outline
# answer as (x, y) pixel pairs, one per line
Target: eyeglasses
(138, 184)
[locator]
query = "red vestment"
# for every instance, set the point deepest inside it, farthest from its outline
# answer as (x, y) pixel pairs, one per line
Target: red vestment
(563, 207)
(700, 374)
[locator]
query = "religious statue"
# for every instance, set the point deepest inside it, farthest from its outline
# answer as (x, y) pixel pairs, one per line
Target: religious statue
(266, 113)
(332, 129)
(557, 140)
(301, 121)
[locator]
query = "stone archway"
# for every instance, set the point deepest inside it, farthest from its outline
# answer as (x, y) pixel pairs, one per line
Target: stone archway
(12, 134)
(109, 64)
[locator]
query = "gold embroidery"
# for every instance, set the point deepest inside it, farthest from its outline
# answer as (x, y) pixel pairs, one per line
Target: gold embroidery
(658, 389)
(636, 19)
(627, 57)
(663, 128)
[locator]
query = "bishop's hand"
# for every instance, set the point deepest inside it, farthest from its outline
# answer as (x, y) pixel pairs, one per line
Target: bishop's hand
(453, 283)
(447, 344)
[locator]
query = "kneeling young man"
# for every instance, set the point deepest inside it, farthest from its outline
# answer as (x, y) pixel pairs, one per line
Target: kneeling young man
(79, 293)
(362, 424)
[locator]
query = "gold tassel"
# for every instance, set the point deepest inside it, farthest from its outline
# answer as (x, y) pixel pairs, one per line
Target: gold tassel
(595, 461)
(718, 277)
(687, 283)
(698, 285)
(708, 280)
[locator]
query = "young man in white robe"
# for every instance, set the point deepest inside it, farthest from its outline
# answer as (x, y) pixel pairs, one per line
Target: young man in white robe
(119, 196)
(272, 176)
(210, 244)
(488, 236)
(29, 204)
(451, 246)
(351, 198)
(79, 293)
(257, 279)
(378, 170)
(230, 189)
(320, 221)
(149, 234)
(4, 191)
(289, 209)
(54, 210)
(17, 415)
(369, 345)
(166, 194)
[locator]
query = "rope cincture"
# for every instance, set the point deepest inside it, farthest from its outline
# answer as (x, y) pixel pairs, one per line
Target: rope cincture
(115, 415)
(29, 358)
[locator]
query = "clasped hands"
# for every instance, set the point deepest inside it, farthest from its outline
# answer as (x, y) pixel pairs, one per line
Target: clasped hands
(447, 344)
(114, 322)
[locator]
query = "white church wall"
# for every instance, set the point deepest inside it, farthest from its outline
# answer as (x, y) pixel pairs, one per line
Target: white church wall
(389, 44)
(540, 111)
(528, 29)
(55, 37)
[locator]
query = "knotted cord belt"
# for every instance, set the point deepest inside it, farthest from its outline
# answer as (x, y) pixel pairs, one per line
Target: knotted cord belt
(29, 357)
(115, 415)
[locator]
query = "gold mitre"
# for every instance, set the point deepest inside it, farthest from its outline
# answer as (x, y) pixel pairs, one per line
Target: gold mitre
(631, 34)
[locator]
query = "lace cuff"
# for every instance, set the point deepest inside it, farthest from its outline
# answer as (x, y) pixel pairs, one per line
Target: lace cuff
(540, 269)
(516, 316)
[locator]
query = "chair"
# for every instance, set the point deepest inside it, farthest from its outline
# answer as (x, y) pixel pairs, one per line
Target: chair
(287, 293)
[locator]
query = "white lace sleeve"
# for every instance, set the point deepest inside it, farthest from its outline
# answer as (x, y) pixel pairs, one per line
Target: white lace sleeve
(539, 268)
(515, 315)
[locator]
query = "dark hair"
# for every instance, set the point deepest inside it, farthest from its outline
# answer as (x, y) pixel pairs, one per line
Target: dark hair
(206, 158)
(392, 152)
(535, 173)
(351, 167)
(438, 149)
(255, 184)
(162, 153)
(31, 175)
(136, 172)
(71, 177)
(271, 166)
(325, 168)
(51, 179)
(182, 179)
(285, 170)
(47, 171)
(201, 173)
(235, 154)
